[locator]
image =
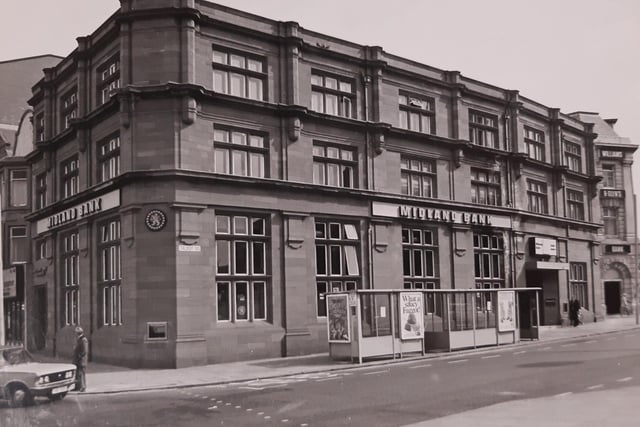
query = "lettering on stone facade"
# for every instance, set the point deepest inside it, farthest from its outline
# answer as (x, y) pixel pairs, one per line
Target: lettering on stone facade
(443, 215)
(74, 213)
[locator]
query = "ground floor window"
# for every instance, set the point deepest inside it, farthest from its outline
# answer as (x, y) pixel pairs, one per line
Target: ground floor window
(578, 283)
(112, 305)
(242, 301)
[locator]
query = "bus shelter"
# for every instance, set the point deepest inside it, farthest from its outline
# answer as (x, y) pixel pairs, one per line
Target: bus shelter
(391, 323)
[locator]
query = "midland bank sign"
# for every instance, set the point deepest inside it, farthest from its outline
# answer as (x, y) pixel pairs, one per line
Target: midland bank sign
(439, 215)
(80, 211)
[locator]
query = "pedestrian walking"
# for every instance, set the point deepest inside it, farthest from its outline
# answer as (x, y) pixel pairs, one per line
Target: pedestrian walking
(574, 312)
(80, 358)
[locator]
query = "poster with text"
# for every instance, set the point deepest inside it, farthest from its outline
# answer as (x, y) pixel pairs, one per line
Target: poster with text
(411, 316)
(506, 311)
(339, 325)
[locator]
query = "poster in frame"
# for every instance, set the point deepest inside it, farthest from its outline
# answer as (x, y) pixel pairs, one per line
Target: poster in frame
(411, 316)
(338, 321)
(506, 311)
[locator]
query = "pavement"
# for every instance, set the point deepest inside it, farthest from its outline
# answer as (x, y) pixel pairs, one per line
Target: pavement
(103, 378)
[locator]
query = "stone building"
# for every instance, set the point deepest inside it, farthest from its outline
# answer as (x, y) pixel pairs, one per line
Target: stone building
(203, 176)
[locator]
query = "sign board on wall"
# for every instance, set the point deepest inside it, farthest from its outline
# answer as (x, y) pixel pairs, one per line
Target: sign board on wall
(617, 249)
(611, 154)
(10, 282)
(612, 194)
(83, 210)
(411, 316)
(338, 320)
(545, 247)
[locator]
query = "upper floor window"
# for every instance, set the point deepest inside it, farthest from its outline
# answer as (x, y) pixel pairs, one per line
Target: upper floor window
(110, 273)
(109, 158)
(573, 156)
(332, 95)
(18, 190)
(483, 129)
(18, 248)
(41, 190)
(485, 187)
(417, 177)
(39, 127)
(69, 177)
(69, 107)
(238, 152)
(610, 220)
(334, 166)
(417, 113)
(239, 74)
(575, 204)
(337, 260)
(534, 143)
(108, 79)
(537, 196)
(609, 176)
(41, 249)
(242, 245)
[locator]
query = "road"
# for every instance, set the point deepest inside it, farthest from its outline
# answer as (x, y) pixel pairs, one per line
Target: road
(383, 395)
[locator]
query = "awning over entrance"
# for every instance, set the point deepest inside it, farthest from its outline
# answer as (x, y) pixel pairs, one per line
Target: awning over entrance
(547, 265)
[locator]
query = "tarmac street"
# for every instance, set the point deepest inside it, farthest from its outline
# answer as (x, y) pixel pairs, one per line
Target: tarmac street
(587, 373)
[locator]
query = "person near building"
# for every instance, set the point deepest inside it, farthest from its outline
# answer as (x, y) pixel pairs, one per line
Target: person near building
(574, 310)
(80, 359)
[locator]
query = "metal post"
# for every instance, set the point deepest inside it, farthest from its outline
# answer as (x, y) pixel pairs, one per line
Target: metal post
(2, 337)
(635, 256)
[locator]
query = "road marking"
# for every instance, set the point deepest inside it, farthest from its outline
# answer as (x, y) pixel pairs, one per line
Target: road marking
(546, 348)
(285, 420)
(594, 387)
(267, 417)
(238, 406)
(490, 357)
(227, 404)
(625, 379)
(212, 407)
(510, 393)
(249, 409)
(563, 394)
(567, 345)
(327, 379)
(419, 366)
(459, 361)
(519, 352)
(213, 398)
(590, 341)
(204, 397)
(610, 339)
(376, 372)
(252, 388)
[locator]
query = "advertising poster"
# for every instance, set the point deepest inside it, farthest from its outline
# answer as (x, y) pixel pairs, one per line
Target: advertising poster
(339, 325)
(506, 311)
(411, 316)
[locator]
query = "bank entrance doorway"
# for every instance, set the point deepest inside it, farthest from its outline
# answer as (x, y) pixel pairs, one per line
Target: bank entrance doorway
(612, 296)
(550, 297)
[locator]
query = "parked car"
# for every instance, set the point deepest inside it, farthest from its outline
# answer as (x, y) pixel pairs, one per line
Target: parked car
(22, 378)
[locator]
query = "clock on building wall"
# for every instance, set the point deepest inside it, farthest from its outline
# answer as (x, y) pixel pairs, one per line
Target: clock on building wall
(155, 220)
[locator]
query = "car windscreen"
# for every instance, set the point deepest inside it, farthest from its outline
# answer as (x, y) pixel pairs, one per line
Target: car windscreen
(15, 356)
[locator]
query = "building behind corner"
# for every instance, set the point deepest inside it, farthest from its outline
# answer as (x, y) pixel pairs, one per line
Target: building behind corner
(202, 177)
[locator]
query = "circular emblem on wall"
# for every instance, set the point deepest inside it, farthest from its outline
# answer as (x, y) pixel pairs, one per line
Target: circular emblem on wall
(155, 220)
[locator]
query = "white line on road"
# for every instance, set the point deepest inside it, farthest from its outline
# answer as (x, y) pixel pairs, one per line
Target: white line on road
(593, 387)
(563, 394)
(625, 379)
(285, 420)
(590, 341)
(519, 352)
(546, 348)
(249, 409)
(459, 361)
(567, 345)
(212, 407)
(238, 407)
(376, 372)
(327, 379)
(419, 366)
(491, 357)
(260, 413)
(267, 417)
(610, 339)
(252, 388)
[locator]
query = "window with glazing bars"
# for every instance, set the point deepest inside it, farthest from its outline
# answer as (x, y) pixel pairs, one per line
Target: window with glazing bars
(240, 152)
(419, 258)
(488, 260)
(337, 260)
(334, 166)
(110, 278)
(109, 158)
(573, 156)
(578, 283)
(242, 285)
(609, 176)
(485, 187)
(575, 204)
(108, 79)
(537, 196)
(41, 190)
(483, 129)
(417, 113)
(69, 107)
(610, 220)
(69, 176)
(332, 94)
(70, 271)
(418, 177)
(239, 74)
(18, 189)
(534, 143)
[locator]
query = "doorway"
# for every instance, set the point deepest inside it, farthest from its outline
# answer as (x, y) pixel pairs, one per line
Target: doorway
(40, 320)
(612, 296)
(549, 298)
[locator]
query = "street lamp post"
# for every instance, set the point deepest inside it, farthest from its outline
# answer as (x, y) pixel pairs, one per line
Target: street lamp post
(635, 256)
(2, 337)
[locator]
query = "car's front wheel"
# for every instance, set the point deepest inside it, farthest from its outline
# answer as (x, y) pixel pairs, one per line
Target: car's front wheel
(57, 396)
(19, 396)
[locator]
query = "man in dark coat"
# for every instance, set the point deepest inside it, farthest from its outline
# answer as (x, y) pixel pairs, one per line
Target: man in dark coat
(80, 358)
(574, 311)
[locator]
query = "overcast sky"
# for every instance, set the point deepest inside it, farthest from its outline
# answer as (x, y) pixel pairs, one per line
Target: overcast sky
(570, 54)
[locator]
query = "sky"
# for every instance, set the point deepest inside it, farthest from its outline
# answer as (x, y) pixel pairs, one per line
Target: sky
(576, 55)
